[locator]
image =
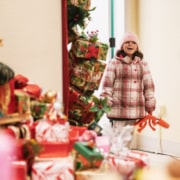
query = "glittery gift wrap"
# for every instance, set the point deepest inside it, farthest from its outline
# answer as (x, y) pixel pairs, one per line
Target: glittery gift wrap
(83, 48)
(74, 95)
(22, 102)
(80, 110)
(38, 109)
(53, 169)
(87, 75)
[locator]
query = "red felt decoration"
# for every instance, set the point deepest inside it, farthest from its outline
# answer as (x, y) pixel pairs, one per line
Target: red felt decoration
(152, 121)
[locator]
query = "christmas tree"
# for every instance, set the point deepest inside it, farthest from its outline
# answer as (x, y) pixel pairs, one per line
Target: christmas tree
(87, 58)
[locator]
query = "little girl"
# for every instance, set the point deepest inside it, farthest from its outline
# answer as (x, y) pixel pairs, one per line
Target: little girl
(128, 85)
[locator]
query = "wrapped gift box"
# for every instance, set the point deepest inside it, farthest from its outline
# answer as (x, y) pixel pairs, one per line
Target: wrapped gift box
(80, 129)
(73, 96)
(74, 133)
(85, 49)
(85, 4)
(38, 109)
(87, 119)
(51, 169)
(127, 163)
(19, 169)
(87, 75)
(53, 138)
(103, 143)
(80, 111)
(90, 153)
(54, 150)
(47, 131)
(22, 102)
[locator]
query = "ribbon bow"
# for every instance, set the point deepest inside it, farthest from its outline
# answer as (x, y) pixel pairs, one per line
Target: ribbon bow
(152, 121)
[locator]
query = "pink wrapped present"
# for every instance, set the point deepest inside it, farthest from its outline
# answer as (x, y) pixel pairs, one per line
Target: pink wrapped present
(103, 143)
(53, 169)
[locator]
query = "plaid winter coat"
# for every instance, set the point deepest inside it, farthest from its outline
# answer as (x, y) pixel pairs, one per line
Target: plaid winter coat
(129, 87)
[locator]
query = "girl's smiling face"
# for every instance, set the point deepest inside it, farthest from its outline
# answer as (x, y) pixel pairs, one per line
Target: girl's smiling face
(130, 47)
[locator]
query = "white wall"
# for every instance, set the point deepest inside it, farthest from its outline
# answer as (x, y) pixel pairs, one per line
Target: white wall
(32, 40)
(159, 28)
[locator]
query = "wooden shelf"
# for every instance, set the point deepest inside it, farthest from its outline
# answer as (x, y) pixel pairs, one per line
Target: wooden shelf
(14, 118)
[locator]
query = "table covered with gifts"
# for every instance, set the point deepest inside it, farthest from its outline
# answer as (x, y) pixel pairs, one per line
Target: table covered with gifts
(39, 141)
(51, 148)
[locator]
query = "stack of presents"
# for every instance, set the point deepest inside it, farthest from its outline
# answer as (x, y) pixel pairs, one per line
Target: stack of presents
(49, 145)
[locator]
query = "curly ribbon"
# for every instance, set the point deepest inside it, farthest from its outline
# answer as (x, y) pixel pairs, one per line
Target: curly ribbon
(152, 121)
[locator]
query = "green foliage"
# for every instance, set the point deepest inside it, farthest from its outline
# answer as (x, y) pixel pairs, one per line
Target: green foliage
(76, 15)
(100, 107)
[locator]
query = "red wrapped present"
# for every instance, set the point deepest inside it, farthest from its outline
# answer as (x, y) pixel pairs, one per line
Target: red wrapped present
(79, 129)
(19, 169)
(52, 133)
(58, 168)
(79, 110)
(74, 133)
(54, 150)
(73, 137)
(73, 96)
(83, 48)
(87, 75)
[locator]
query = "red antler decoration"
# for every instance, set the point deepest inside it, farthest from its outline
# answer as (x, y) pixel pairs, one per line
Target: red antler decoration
(152, 120)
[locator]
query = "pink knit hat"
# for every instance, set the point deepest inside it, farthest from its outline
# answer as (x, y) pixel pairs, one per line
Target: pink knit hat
(129, 36)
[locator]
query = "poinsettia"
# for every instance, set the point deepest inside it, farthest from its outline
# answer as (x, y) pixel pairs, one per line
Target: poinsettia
(92, 52)
(100, 107)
